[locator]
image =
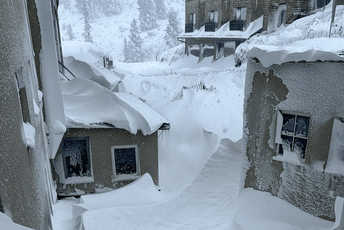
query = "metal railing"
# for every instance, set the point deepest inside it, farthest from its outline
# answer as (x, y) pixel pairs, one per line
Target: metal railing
(63, 72)
(189, 28)
(237, 25)
(210, 26)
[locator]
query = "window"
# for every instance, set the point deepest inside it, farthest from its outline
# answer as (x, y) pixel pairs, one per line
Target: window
(76, 157)
(335, 160)
(22, 95)
(281, 12)
(240, 13)
(192, 20)
(213, 16)
(125, 161)
(292, 134)
(317, 4)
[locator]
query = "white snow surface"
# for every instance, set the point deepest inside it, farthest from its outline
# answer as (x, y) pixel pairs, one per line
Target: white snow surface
(306, 39)
(199, 158)
(6, 223)
(88, 103)
(29, 133)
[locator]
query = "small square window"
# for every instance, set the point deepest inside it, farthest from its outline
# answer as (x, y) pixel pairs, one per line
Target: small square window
(293, 134)
(125, 161)
(76, 157)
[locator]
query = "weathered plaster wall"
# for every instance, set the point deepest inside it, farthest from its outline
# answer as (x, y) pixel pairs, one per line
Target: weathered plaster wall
(22, 170)
(307, 88)
(101, 141)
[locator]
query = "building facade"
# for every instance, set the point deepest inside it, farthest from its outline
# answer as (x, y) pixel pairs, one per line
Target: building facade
(99, 159)
(294, 133)
(209, 16)
(26, 188)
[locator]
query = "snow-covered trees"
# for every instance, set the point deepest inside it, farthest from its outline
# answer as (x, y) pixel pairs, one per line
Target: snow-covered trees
(70, 33)
(109, 7)
(160, 10)
(147, 16)
(173, 29)
(87, 17)
(126, 51)
(132, 49)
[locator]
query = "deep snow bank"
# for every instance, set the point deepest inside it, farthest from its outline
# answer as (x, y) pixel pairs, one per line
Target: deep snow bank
(208, 203)
(306, 39)
(262, 211)
(87, 103)
(7, 223)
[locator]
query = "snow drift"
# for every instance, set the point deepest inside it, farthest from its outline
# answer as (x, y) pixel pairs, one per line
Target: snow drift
(88, 103)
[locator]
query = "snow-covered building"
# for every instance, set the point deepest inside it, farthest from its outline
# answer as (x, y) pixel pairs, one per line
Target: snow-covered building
(203, 18)
(31, 109)
(294, 115)
(112, 139)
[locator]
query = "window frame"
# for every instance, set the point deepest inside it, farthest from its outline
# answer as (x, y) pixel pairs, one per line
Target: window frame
(124, 177)
(279, 125)
(77, 179)
(192, 20)
(243, 11)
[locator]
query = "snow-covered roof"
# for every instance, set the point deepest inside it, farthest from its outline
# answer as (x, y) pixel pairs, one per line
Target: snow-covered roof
(224, 32)
(306, 39)
(88, 104)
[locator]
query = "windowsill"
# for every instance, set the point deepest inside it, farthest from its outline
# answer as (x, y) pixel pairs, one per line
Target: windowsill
(289, 157)
(125, 178)
(78, 180)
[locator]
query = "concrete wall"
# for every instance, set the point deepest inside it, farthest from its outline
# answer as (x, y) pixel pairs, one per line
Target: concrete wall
(313, 89)
(100, 141)
(24, 194)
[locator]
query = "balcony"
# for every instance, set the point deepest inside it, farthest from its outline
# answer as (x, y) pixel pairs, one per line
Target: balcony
(237, 25)
(189, 28)
(210, 26)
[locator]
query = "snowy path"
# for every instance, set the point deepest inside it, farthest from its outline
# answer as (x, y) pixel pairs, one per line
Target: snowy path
(208, 203)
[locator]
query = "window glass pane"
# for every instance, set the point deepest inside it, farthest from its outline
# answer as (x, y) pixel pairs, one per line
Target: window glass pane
(216, 15)
(243, 13)
(125, 160)
(302, 126)
(300, 147)
(288, 124)
(76, 157)
(287, 142)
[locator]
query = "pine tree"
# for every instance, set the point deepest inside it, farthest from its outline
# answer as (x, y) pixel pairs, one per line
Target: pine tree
(87, 6)
(109, 7)
(147, 15)
(70, 32)
(160, 10)
(135, 43)
(173, 29)
(126, 51)
(87, 27)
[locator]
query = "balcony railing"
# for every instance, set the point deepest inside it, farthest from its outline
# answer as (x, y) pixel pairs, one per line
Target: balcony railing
(210, 26)
(189, 28)
(237, 25)
(65, 71)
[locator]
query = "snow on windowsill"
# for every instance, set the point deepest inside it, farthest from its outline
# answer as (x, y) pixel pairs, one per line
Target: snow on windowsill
(288, 157)
(29, 133)
(125, 178)
(77, 180)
